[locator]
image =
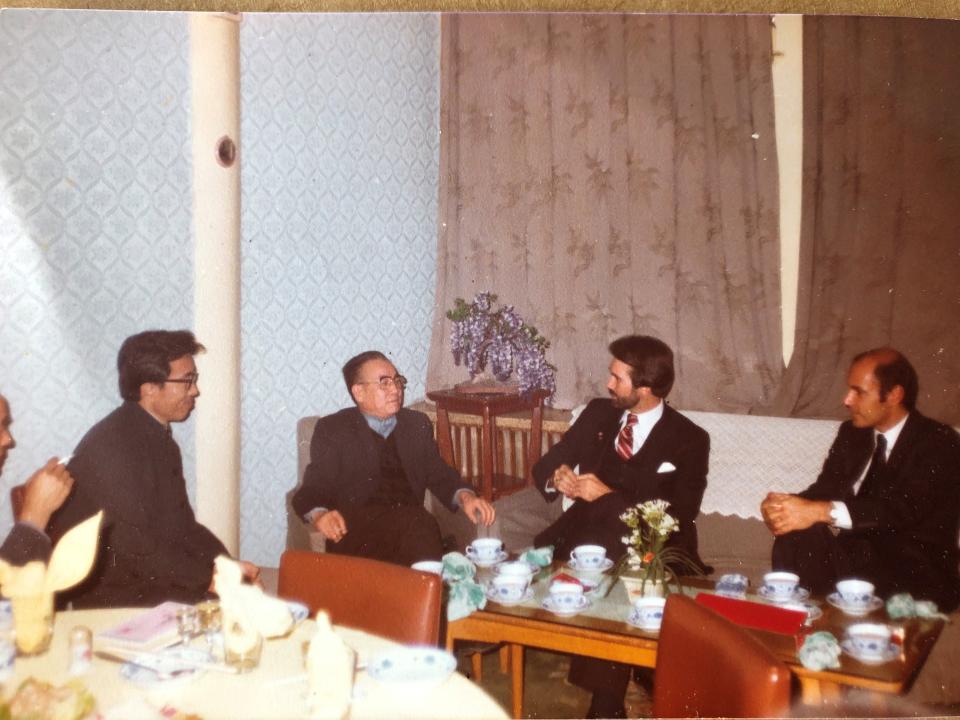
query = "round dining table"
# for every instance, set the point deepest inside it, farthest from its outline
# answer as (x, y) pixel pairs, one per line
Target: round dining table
(277, 688)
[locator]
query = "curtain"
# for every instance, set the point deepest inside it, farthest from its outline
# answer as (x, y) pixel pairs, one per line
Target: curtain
(614, 174)
(880, 228)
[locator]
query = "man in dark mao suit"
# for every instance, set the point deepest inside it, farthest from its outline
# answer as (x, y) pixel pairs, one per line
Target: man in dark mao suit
(44, 492)
(370, 467)
(665, 457)
(886, 506)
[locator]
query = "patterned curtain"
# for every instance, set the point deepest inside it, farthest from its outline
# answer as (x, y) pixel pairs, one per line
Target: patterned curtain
(880, 232)
(614, 174)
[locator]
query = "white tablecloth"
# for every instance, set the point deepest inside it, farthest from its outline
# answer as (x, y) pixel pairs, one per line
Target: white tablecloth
(273, 690)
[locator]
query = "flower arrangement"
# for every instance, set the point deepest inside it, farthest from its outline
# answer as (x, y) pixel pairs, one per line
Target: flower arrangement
(647, 556)
(483, 334)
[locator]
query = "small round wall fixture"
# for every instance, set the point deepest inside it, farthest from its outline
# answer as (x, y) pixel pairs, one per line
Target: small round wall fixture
(226, 152)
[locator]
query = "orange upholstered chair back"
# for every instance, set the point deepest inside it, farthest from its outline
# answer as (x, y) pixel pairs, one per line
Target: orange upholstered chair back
(388, 600)
(709, 667)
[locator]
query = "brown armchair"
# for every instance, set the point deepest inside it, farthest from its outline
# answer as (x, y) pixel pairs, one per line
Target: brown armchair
(389, 600)
(709, 667)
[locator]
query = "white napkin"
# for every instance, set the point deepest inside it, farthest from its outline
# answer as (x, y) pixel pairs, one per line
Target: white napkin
(330, 668)
(248, 605)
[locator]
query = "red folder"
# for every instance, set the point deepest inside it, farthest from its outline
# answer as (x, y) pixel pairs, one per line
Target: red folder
(758, 616)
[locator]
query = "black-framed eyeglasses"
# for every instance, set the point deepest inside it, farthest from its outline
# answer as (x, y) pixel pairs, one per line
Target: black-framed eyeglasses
(386, 382)
(189, 380)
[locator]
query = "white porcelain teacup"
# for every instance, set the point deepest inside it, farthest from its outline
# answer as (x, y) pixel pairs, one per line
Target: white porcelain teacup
(566, 595)
(648, 612)
(869, 640)
(430, 566)
(588, 557)
(732, 585)
(516, 568)
(484, 549)
(781, 585)
(856, 594)
(510, 588)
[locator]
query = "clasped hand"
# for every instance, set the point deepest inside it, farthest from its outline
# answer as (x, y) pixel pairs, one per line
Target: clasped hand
(784, 513)
(584, 487)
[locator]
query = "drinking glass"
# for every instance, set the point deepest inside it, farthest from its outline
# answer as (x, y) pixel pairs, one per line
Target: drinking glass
(32, 623)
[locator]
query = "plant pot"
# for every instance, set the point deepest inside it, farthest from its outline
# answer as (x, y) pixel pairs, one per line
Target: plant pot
(636, 589)
(487, 385)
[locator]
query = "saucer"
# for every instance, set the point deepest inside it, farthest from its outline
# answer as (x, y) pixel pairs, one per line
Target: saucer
(837, 601)
(634, 621)
(548, 604)
(492, 596)
(813, 611)
(167, 667)
(298, 610)
(413, 668)
(603, 567)
(892, 653)
(501, 556)
(799, 595)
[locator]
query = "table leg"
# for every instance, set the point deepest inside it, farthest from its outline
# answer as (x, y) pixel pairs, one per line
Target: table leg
(816, 692)
(516, 677)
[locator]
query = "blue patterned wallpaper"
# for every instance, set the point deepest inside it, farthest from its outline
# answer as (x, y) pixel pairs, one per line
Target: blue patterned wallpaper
(95, 213)
(340, 141)
(339, 153)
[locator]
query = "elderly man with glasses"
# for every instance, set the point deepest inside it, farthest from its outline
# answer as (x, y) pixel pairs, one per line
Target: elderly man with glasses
(151, 547)
(370, 467)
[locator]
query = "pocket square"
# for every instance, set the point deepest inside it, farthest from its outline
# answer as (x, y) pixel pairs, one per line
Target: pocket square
(666, 467)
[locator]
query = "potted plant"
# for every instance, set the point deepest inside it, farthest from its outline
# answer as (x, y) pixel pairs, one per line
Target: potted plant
(649, 565)
(484, 335)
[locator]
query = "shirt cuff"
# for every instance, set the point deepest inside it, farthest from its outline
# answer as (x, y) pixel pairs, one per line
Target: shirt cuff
(311, 516)
(548, 486)
(456, 496)
(841, 515)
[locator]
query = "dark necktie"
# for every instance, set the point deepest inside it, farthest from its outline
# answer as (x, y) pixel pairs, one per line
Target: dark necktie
(877, 463)
(625, 438)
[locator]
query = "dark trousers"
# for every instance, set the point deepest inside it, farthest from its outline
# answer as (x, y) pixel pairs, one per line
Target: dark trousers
(821, 558)
(401, 534)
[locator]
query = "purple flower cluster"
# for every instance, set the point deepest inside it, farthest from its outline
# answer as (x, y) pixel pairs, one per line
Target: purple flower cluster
(482, 335)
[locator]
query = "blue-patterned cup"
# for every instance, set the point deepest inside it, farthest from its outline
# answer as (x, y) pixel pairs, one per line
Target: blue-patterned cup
(589, 557)
(566, 595)
(856, 594)
(870, 640)
(648, 612)
(510, 588)
(732, 585)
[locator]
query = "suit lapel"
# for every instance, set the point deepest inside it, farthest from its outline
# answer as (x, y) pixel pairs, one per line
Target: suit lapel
(908, 437)
(366, 446)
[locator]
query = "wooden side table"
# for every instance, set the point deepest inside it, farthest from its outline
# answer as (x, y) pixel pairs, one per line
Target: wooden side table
(488, 406)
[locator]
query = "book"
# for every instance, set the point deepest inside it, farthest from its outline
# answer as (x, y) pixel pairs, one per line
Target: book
(149, 630)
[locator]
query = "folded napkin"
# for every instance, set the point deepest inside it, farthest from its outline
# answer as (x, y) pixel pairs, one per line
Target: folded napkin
(457, 567)
(247, 610)
(465, 595)
(540, 557)
(330, 669)
(820, 651)
(902, 605)
(759, 616)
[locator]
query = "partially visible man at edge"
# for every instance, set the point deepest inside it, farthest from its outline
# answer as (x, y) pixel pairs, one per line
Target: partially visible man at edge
(886, 506)
(370, 467)
(45, 491)
(151, 546)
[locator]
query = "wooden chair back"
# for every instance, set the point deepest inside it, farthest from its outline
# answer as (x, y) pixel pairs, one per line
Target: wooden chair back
(389, 600)
(709, 667)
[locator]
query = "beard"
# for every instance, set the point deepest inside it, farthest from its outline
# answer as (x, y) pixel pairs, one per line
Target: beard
(622, 402)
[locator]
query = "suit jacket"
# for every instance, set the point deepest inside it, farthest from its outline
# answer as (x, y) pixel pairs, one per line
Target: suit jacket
(344, 472)
(910, 516)
(25, 543)
(151, 546)
(674, 439)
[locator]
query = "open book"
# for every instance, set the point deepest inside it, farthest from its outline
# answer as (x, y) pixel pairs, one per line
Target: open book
(149, 630)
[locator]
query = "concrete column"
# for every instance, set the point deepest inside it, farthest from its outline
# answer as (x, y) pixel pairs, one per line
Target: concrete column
(788, 108)
(215, 107)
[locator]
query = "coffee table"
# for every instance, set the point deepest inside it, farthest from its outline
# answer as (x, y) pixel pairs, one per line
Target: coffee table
(602, 632)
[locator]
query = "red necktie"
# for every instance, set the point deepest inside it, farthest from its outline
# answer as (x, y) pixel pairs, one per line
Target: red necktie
(625, 438)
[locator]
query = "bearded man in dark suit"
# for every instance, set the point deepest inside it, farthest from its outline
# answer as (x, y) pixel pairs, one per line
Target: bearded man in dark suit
(886, 506)
(664, 456)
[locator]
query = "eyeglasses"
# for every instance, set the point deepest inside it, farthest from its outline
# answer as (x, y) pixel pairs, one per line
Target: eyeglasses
(190, 380)
(386, 382)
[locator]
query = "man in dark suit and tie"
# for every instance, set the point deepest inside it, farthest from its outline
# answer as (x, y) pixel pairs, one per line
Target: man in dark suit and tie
(886, 506)
(630, 448)
(370, 467)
